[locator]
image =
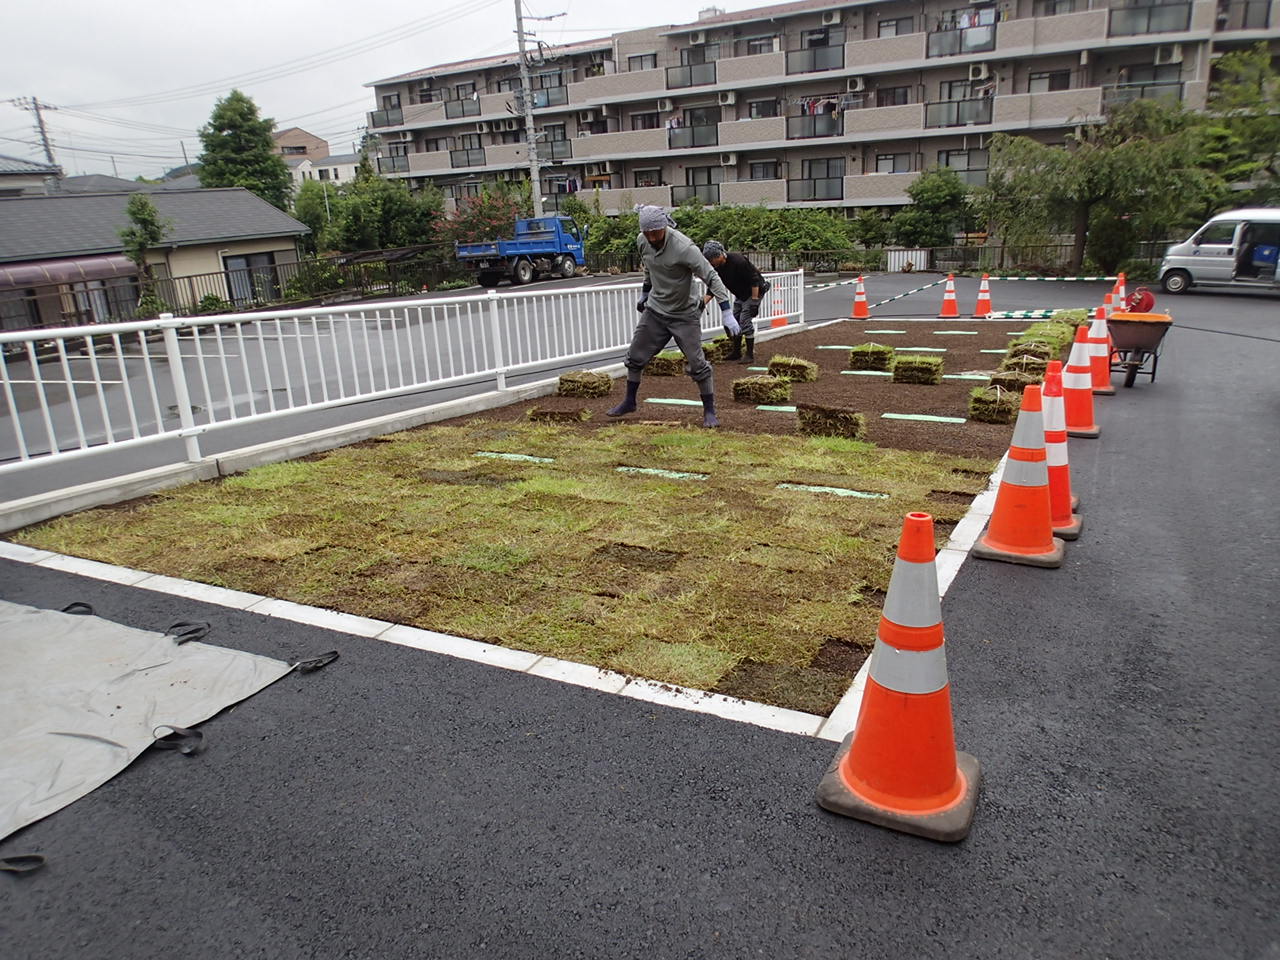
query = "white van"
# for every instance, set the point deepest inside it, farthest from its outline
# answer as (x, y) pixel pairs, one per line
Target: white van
(1238, 248)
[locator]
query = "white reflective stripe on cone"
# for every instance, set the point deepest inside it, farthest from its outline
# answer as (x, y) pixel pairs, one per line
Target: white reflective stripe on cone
(1079, 356)
(1055, 454)
(1055, 414)
(1100, 349)
(1077, 381)
(1024, 473)
(912, 600)
(1028, 432)
(908, 671)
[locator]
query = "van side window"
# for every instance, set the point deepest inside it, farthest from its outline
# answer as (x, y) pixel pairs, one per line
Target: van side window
(1223, 231)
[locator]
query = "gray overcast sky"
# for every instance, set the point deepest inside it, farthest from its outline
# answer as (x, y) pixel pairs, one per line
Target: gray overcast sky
(89, 56)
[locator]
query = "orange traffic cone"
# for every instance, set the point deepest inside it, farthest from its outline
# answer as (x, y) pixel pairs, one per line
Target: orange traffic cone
(1065, 523)
(1077, 389)
(950, 308)
(860, 311)
(1021, 530)
(1108, 305)
(899, 768)
(779, 313)
(983, 307)
(1099, 341)
(1100, 311)
(1120, 295)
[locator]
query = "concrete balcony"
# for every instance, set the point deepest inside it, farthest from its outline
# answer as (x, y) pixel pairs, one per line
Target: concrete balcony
(1046, 33)
(436, 161)
(751, 192)
(420, 113)
(616, 85)
(873, 121)
(1054, 108)
(761, 130)
(869, 53)
(650, 142)
(622, 201)
(491, 103)
(871, 189)
(756, 67)
(506, 154)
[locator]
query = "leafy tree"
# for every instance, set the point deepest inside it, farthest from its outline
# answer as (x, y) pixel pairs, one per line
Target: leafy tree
(375, 213)
(1244, 122)
(869, 228)
(320, 206)
(239, 152)
(146, 230)
(937, 209)
(490, 216)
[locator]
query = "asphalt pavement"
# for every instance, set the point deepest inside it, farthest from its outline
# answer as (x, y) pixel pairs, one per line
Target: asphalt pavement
(403, 804)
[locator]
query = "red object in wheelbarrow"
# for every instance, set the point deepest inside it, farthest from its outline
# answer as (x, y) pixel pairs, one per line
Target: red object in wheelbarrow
(1135, 338)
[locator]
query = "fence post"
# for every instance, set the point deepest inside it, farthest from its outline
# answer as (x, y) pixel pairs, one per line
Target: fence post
(800, 298)
(173, 354)
(495, 332)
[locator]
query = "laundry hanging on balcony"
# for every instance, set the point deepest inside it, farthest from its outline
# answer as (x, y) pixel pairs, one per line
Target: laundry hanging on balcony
(817, 106)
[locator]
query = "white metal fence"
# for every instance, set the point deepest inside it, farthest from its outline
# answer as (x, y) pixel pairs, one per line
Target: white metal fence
(80, 390)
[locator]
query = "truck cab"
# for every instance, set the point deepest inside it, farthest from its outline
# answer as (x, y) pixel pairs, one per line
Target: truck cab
(551, 245)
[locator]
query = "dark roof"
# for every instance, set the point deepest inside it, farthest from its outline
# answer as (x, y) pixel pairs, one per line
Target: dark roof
(188, 181)
(94, 183)
(69, 225)
(501, 60)
(336, 158)
(18, 165)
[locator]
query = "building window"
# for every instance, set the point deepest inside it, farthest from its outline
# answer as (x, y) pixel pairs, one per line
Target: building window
(428, 95)
(293, 151)
(645, 121)
(463, 90)
(955, 90)
(469, 141)
(824, 37)
(701, 116)
(1146, 73)
(544, 81)
(970, 164)
(390, 101)
(762, 170)
(895, 28)
(393, 149)
(435, 144)
(552, 132)
(704, 53)
(648, 178)
(511, 136)
(893, 96)
(819, 169)
(1049, 80)
(702, 176)
(643, 61)
(324, 173)
(893, 163)
(762, 108)
(510, 85)
(761, 45)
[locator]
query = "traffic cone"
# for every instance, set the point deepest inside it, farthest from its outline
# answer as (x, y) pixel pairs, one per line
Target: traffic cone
(1120, 295)
(1099, 311)
(1077, 389)
(860, 311)
(1021, 529)
(950, 308)
(779, 313)
(1108, 306)
(899, 768)
(983, 307)
(1099, 341)
(1065, 523)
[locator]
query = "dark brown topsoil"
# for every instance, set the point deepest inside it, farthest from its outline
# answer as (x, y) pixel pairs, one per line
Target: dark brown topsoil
(870, 396)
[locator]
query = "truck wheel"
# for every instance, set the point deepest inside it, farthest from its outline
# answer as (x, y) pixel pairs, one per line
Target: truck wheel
(489, 280)
(566, 266)
(1176, 281)
(522, 272)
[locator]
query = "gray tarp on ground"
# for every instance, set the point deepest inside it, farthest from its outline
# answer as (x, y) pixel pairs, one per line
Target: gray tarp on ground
(80, 697)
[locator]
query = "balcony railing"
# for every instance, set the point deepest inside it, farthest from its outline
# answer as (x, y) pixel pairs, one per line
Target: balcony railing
(1161, 18)
(1114, 94)
(820, 125)
(393, 164)
(957, 113)
(814, 59)
(820, 188)
(555, 149)
(467, 158)
(693, 75)
(1245, 15)
(386, 118)
(461, 108)
(949, 43)
(974, 178)
(546, 97)
(703, 135)
(705, 193)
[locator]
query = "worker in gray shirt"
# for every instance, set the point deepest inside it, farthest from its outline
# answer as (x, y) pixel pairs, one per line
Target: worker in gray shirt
(669, 308)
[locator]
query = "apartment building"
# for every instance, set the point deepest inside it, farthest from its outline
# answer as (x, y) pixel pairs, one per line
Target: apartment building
(811, 104)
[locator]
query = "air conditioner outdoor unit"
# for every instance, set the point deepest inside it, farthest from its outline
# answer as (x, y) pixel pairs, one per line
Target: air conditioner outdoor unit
(403, 136)
(586, 116)
(482, 126)
(698, 36)
(512, 124)
(728, 98)
(830, 17)
(856, 84)
(666, 105)
(979, 71)
(728, 159)
(1171, 53)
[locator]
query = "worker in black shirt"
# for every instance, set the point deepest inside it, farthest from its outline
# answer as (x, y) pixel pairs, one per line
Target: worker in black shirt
(747, 286)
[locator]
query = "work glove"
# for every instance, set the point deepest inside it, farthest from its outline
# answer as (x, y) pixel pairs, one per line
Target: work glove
(640, 306)
(726, 318)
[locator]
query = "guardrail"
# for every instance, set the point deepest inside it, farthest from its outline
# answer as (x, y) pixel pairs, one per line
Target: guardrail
(79, 391)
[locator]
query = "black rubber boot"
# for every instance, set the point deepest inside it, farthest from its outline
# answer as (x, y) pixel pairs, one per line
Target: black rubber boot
(751, 351)
(629, 404)
(709, 410)
(736, 353)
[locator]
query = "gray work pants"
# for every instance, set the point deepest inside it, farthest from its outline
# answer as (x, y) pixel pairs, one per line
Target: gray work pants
(654, 331)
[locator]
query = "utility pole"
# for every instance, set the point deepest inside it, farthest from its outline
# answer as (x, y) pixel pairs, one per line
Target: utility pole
(33, 105)
(183, 145)
(526, 96)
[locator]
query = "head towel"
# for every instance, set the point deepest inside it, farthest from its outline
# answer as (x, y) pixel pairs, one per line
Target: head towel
(654, 218)
(712, 249)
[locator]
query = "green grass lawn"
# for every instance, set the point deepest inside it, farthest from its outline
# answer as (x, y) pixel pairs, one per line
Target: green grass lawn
(724, 583)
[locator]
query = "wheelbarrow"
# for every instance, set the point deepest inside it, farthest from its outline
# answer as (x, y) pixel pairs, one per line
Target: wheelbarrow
(1135, 340)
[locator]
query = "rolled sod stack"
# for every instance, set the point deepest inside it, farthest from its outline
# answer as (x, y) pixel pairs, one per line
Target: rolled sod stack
(582, 383)
(871, 356)
(766, 390)
(793, 369)
(830, 421)
(926, 370)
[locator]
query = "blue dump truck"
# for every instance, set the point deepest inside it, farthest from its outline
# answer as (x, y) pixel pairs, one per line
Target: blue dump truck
(543, 246)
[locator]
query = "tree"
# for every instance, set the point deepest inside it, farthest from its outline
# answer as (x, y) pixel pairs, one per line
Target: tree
(869, 228)
(1244, 122)
(490, 216)
(375, 214)
(146, 231)
(320, 205)
(239, 151)
(937, 209)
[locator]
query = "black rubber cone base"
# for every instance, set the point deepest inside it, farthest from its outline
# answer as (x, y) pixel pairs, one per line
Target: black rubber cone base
(1089, 433)
(1104, 391)
(947, 826)
(1051, 559)
(1072, 530)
